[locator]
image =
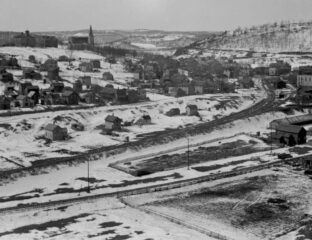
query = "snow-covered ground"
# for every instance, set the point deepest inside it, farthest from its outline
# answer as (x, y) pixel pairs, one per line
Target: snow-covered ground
(102, 219)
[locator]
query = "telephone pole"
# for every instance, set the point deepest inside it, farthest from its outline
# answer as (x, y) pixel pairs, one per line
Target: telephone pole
(188, 152)
(88, 189)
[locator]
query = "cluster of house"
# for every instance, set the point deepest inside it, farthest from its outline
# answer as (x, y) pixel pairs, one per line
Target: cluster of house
(90, 65)
(177, 82)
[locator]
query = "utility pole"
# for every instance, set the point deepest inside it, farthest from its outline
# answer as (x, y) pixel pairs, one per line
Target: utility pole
(88, 189)
(188, 153)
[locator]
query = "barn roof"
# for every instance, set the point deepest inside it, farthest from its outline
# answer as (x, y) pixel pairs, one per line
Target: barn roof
(289, 128)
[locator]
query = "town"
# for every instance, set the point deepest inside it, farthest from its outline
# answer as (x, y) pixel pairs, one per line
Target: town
(155, 134)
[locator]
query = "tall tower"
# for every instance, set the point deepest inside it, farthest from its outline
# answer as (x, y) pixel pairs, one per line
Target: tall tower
(91, 37)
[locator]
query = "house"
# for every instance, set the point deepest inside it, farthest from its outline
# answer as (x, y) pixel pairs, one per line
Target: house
(133, 96)
(191, 110)
(112, 123)
(86, 81)
(108, 93)
(86, 67)
(57, 87)
(70, 97)
(6, 77)
(32, 59)
(87, 97)
(108, 76)
(121, 95)
(304, 77)
(33, 93)
(22, 87)
(49, 64)
(55, 133)
(22, 101)
(290, 134)
(30, 73)
(77, 86)
(5, 102)
(173, 112)
(96, 63)
(144, 120)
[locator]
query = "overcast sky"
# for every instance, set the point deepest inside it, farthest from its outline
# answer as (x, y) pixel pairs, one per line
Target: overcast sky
(49, 15)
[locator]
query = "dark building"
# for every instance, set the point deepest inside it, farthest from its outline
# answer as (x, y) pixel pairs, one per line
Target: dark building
(113, 123)
(30, 40)
(82, 39)
(290, 134)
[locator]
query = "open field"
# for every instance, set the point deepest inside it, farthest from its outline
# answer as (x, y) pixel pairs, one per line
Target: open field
(104, 219)
(256, 207)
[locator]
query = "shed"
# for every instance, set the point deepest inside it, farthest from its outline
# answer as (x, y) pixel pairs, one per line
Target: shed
(86, 67)
(55, 132)
(191, 110)
(113, 123)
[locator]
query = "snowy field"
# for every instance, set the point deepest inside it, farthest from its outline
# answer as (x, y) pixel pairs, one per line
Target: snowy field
(66, 181)
(103, 219)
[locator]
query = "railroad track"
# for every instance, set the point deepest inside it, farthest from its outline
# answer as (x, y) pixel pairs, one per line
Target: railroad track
(143, 190)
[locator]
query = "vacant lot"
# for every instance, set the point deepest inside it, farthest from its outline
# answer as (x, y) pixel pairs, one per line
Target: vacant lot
(264, 207)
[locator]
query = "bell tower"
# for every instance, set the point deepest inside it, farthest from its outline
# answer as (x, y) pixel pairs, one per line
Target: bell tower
(91, 37)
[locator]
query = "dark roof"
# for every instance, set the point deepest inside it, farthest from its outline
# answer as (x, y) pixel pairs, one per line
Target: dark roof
(192, 107)
(111, 118)
(147, 117)
(67, 93)
(289, 128)
(52, 127)
(20, 97)
(108, 90)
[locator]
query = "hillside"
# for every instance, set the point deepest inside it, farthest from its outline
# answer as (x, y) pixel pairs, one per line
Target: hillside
(277, 37)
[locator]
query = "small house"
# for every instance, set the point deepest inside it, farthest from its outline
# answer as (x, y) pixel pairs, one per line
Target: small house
(55, 132)
(86, 81)
(96, 63)
(5, 76)
(87, 97)
(290, 134)
(191, 110)
(109, 93)
(86, 67)
(173, 112)
(32, 59)
(57, 87)
(77, 86)
(108, 76)
(5, 103)
(112, 123)
(30, 73)
(70, 97)
(121, 95)
(23, 101)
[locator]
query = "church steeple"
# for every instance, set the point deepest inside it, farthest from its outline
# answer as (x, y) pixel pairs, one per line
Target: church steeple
(91, 37)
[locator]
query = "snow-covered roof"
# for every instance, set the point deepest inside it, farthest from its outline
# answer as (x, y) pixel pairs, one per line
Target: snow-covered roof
(81, 35)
